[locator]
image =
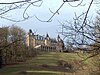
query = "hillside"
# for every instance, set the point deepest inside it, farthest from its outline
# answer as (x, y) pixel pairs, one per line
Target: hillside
(51, 64)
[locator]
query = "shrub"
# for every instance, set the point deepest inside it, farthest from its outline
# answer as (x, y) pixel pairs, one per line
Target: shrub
(65, 64)
(44, 65)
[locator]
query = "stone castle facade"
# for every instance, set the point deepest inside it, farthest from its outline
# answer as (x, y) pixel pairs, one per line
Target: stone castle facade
(44, 43)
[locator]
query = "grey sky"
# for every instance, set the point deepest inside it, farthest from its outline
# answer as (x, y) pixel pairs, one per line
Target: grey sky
(43, 13)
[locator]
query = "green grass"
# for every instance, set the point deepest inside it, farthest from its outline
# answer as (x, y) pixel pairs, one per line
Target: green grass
(32, 66)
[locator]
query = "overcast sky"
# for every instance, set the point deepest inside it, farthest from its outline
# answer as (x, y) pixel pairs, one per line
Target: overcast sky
(43, 13)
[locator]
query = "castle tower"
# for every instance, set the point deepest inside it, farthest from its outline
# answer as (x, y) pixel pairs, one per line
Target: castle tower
(30, 41)
(58, 38)
(47, 39)
(60, 44)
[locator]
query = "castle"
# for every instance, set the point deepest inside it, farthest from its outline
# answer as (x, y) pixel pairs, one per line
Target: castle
(44, 43)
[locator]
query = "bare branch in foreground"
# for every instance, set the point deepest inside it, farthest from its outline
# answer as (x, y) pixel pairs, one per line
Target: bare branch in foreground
(10, 6)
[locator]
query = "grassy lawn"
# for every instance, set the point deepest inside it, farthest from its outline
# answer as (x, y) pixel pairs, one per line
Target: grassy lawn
(35, 65)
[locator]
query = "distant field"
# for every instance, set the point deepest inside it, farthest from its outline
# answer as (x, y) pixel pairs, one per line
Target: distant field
(47, 64)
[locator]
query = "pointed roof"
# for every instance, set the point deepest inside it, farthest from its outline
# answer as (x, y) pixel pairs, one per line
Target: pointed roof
(58, 37)
(47, 35)
(30, 31)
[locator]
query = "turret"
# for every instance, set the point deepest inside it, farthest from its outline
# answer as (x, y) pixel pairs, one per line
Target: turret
(58, 38)
(60, 44)
(47, 38)
(30, 37)
(30, 32)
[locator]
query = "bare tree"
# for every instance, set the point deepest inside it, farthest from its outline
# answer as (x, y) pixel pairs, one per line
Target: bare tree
(12, 45)
(83, 33)
(3, 42)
